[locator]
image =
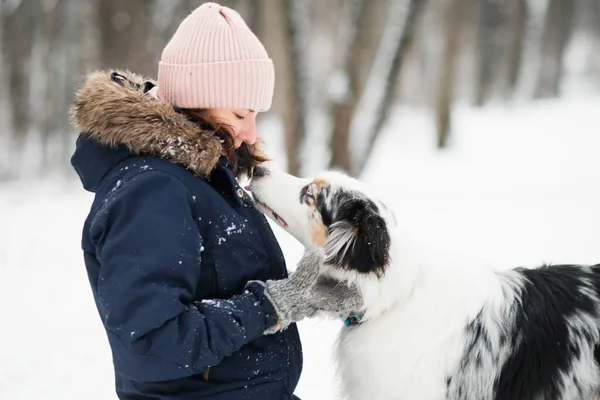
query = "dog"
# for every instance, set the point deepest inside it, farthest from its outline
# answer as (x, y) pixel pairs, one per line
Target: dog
(439, 331)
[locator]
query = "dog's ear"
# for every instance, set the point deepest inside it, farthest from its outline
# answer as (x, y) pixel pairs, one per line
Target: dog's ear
(358, 238)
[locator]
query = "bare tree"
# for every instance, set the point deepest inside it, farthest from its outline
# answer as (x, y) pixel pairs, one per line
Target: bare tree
(589, 23)
(5, 112)
(76, 54)
(251, 11)
(452, 29)
(513, 56)
(366, 29)
(51, 120)
(403, 45)
(17, 27)
(48, 45)
(491, 28)
(125, 29)
(166, 16)
(557, 30)
(295, 17)
(594, 63)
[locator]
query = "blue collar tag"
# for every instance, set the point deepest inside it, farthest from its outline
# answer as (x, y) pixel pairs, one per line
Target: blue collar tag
(353, 319)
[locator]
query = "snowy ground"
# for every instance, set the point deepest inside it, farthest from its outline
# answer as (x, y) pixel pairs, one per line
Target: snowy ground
(519, 187)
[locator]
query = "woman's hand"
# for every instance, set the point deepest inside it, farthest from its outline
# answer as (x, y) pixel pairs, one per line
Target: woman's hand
(304, 293)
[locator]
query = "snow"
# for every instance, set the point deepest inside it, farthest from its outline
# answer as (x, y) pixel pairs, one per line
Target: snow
(233, 228)
(519, 186)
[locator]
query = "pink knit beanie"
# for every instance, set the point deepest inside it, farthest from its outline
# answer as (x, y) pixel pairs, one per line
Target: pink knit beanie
(215, 61)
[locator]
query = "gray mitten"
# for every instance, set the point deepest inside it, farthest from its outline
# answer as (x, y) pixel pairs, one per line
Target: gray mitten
(288, 295)
(304, 293)
(334, 296)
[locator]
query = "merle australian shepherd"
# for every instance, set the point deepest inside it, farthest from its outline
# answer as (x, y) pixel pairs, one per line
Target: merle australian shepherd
(445, 330)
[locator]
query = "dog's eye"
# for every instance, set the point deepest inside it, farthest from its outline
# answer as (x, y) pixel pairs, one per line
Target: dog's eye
(306, 192)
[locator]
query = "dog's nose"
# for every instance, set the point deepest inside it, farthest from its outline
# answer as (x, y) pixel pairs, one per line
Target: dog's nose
(259, 171)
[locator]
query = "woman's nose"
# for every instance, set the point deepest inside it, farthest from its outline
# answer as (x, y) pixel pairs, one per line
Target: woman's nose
(248, 134)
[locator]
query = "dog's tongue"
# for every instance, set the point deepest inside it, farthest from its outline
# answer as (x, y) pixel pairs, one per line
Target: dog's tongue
(247, 187)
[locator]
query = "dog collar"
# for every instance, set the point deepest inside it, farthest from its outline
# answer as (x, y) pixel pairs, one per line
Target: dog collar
(353, 319)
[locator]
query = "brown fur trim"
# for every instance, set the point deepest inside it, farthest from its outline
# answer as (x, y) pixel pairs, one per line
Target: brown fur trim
(115, 114)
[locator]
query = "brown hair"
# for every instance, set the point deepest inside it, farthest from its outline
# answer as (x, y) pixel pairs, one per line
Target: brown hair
(244, 158)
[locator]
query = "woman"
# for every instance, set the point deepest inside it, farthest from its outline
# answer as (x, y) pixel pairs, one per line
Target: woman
(187, 276)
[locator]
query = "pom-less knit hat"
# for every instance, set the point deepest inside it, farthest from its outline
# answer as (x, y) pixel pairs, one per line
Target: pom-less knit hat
(214, 60)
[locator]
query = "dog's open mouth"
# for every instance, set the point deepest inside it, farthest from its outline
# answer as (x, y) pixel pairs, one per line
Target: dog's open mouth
(271, 213)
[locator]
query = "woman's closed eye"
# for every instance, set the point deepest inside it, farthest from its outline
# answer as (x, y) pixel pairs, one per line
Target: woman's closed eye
(242, 114)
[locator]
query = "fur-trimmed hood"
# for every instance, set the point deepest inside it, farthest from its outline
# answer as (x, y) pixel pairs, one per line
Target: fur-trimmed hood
(115, 110)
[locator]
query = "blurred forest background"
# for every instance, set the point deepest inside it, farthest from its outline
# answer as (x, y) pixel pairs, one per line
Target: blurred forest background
(342, 66)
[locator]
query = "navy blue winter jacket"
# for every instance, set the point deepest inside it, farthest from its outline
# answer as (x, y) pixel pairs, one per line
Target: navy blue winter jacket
(168, 255)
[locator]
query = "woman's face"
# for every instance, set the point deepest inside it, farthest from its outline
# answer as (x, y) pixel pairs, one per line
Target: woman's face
(242, 123)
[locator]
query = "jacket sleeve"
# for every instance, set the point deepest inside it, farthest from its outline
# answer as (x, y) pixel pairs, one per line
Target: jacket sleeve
(149, 250)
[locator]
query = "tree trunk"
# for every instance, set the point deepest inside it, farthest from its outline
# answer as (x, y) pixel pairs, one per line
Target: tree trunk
(52, 121)
(342, 115)
(344, 103)
(295, 13)
(517, 31)
(491, 24)
(5, 113)
(404, 44)
(18, 26)
(359, 59)
(589, 12)
(451, 51)
(251, 11)
(126, 27)
(557, 29)
(166, 17)
(77, 53)
(594, 59)
(18, 30)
